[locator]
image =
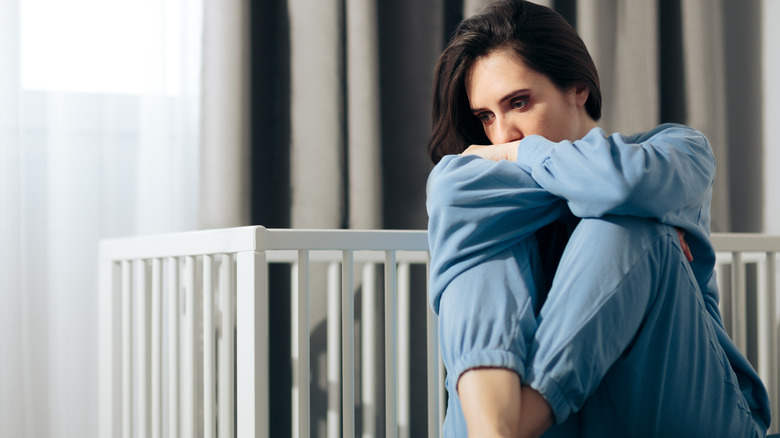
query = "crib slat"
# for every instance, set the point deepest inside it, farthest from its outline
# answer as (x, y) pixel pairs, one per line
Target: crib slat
(189, 395)
(368, 350)
(391, 346)
(208, 347)
(143, 322)
(432, 363)
(348, 343)
(127, 350)
(765, 312)
(173, 346)
(252, 344)
(111, 349)
(156, 340)
(226, 362)
(762, 321)
(334, 351)
(301, 395)
(771, 335)
(296, 412)
(404, 278)
(719, 269)
(738, 302)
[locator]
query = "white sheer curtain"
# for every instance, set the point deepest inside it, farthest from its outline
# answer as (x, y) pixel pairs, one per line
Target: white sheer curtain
(99, 137)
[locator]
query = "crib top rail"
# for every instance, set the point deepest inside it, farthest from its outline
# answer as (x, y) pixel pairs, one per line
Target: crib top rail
(259, 238)
(746, 242)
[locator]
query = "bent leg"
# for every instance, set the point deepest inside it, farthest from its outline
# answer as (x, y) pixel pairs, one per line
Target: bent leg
(624, 337)
(486, 321)
(674, 380)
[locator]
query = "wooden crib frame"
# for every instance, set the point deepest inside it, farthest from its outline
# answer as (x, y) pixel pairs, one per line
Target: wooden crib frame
(178, 364)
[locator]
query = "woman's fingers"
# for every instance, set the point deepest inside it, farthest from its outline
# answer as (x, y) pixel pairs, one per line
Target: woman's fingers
(684, 244)
(495, 152)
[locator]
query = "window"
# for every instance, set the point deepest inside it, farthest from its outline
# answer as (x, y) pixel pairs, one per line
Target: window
(105, 46)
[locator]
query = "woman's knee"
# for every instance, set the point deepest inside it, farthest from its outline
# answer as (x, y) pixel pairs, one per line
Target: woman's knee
(620, 230)
(602, 252)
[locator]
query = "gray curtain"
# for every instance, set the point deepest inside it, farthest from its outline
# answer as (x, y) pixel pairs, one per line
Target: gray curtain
(225, 142)
(662, 61)
(340, 102)
(341, 98)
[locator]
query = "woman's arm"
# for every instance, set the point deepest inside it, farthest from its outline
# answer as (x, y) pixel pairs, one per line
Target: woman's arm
(666, 173)
(478, 208)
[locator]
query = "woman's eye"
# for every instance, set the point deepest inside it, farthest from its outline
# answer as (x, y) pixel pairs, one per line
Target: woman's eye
(484, 117)
(519, 103)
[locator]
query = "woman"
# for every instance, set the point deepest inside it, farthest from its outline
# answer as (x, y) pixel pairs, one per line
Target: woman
(618, 334)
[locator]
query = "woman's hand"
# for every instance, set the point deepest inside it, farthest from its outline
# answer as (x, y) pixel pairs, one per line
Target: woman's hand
(494, 152)
(684, 245)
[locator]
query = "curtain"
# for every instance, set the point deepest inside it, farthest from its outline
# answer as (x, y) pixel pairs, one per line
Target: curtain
(662, 62)
(696, 62)
(12, 376)
(225, 119)
(342, 99)
(770, 55)
(99, 137)
(332, 85)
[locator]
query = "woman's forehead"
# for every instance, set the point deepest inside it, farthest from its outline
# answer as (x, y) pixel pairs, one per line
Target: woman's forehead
(496, 72)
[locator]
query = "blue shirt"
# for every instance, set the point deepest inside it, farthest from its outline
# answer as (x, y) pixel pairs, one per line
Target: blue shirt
(478, 207)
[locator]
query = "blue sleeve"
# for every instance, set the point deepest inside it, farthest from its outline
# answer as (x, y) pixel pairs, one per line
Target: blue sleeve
(477, 208)
(666, 173)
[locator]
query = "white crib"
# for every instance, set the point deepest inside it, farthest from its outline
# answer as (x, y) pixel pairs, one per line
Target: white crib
(184, 332)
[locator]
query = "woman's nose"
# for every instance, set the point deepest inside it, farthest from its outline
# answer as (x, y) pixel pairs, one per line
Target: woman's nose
(506, 131)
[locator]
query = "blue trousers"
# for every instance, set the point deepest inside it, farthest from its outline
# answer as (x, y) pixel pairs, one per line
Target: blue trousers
(621, 347)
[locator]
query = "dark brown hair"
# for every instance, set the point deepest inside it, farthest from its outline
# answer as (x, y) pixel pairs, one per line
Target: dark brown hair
(542, 40)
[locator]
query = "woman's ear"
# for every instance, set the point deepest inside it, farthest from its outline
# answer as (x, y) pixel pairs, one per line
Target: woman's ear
(581, 93)
(577, 94)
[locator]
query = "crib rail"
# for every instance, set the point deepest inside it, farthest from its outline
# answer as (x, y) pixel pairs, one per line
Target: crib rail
(214, 282)
(184, 332)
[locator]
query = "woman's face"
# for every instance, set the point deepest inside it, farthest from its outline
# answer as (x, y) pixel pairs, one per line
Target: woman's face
(513, 101)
